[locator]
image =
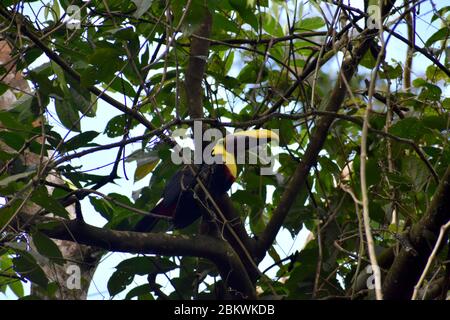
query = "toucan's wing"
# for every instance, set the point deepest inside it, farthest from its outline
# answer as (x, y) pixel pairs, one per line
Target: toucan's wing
(167, 204)
(174, 193)
(187, 208)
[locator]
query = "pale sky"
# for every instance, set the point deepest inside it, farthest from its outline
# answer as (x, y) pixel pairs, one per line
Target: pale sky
(286, 245)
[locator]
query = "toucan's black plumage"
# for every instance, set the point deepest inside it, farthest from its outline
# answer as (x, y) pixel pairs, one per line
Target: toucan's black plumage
(183, 199)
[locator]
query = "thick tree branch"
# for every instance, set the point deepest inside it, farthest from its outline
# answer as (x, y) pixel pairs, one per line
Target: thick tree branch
(274, 40)
(407, 267)
(437, 248)
(310, 156)
(235, 222)
(231, 269)
(199, 51)
(196, 67)
(317, 140)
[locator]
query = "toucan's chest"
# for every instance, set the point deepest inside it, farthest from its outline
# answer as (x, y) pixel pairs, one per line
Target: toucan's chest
(185, 200)
(220, 179)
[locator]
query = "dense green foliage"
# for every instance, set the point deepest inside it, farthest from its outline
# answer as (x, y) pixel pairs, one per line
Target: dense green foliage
(271, 64)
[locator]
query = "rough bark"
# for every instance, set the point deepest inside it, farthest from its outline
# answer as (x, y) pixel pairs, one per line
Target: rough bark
(196, 68)
(218, 251)
(83, 257)
(409, 265)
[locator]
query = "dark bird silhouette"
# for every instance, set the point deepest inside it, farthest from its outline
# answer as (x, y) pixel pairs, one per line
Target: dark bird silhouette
(184, 200)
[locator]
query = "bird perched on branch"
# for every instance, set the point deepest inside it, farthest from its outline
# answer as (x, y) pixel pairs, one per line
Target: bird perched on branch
(184, 198)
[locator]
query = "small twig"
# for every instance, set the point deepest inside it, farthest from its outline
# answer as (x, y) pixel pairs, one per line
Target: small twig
(430, 259)
(245, 124)
(364, 188)
(12, 276)
(106, 197)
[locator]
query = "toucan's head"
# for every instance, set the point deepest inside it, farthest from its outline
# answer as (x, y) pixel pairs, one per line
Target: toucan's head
(228, 147)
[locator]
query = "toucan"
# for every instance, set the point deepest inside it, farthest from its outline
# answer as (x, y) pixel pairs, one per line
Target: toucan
(183, 200)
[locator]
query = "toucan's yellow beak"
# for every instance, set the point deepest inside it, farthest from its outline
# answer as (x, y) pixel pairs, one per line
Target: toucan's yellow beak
(228, 158)
(258, 134)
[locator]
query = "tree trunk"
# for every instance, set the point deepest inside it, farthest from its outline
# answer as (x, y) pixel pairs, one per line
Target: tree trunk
(74, 277)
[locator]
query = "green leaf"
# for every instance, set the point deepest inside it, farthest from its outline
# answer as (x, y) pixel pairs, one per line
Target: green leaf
(47, 247)
(30, 55)
(376, 212)
(416, 170)
(440, 13)
(329, 166)
(145, 161)
(169, 76)
(228, 61)
(13, 178)
(27, 108)
(271, 25)
(301, 278)
(26, 266)
(41, 197)
(89, 76)
(429, 91)
(55, 11)
(144, 169)
(106, 61)
(142, 7)
(222, 24)
(411, 128)
(247, 197)
(312, 23)
(103, 207)
(76, 177)
(12, 139)
(82, 99)
(373, 173)
(116, 126)
(368, 60)
(67, 114)
(391, 72)
(48, 225)
(441, 34)
(118, 281)
(287, 131)
(435, 74)
(250, 73)
(123, 86)
(245, 12)
(3, 88)
(104, 55)
(145, 57)
(446, 103)
(9, 120)
(60, 76)
(439, 123)
(419, 82)
(146, 265)
(7, 212)
(79, 141)
(17, 288)
(142, 290)
(5, 156)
